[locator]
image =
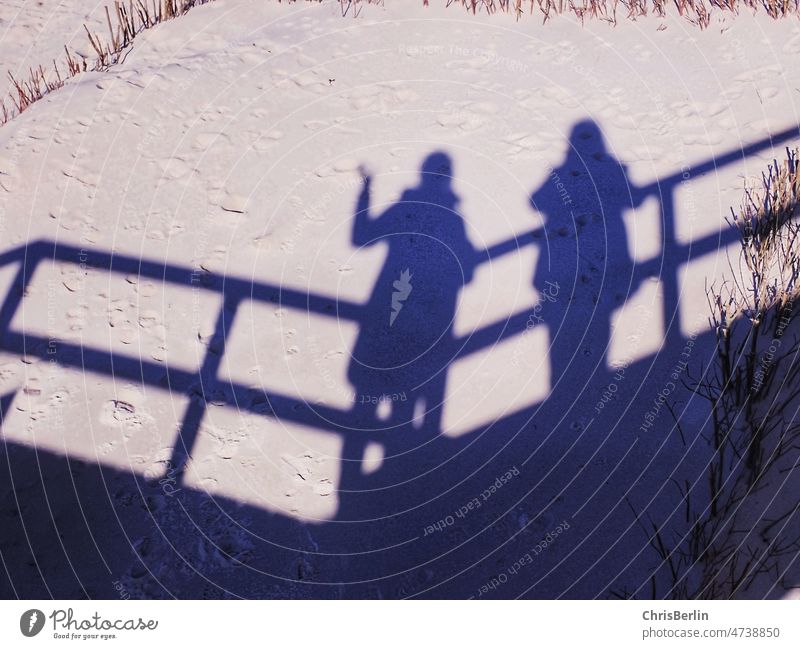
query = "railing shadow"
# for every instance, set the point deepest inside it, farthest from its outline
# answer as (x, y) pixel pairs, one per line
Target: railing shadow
(67, 535)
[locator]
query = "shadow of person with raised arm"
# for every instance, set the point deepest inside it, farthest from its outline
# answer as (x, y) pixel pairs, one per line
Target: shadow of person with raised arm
(405, 341)
(584, 270)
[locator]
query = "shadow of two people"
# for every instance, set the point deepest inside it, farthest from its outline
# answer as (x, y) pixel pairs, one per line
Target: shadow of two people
(406, 340)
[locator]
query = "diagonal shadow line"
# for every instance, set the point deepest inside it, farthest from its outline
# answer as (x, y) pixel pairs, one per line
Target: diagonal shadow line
(519, 322)
(260, 402)
(5, 404)
(230, 287)
(208, 376)
(725, 159)
(657, 187)
(151, 373)
(13, 298)
(238, 288)
(672, 255)
(228, 393)
(234, 290)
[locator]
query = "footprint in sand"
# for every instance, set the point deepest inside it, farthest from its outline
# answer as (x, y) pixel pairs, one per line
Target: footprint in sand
(174, 168)
(767, 92)
(315, 124)
(120, 413)
(641, 54)
(345, 165)
(302, 467)
(83, 176)
(460, 120)
(324, 487)
(311, 81)
(77, 316)
(792, 46)
(114, 91)
(227, 441)
(73, 278)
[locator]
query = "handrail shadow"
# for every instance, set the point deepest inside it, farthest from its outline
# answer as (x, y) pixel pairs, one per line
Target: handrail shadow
(322, 559)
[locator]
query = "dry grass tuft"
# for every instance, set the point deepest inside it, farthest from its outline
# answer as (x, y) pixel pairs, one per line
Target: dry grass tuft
(124, 23)
(696, 12)
(753, 387)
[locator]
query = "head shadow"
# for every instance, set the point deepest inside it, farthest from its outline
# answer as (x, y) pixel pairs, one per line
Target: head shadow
(405, 342)
(584, 271)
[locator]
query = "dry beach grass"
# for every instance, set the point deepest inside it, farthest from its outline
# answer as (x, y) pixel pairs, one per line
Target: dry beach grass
(125, 21)
(739, 525)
